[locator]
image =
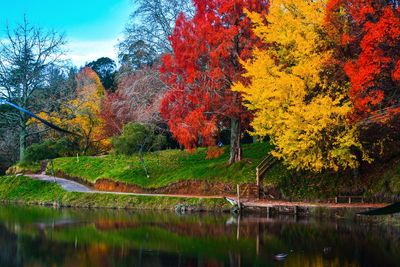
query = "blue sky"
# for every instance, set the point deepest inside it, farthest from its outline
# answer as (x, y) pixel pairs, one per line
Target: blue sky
(92, 27)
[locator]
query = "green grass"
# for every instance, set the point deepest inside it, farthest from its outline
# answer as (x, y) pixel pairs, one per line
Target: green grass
(379, 182)
(25, 190)
(166, 167)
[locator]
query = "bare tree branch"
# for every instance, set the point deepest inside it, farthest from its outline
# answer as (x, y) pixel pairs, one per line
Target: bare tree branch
(25, 57)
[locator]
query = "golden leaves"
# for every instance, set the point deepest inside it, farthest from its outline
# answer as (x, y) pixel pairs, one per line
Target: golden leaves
(82, 114)
(294, 104)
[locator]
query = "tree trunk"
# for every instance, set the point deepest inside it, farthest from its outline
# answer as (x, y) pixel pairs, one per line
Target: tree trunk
(22, 143)
(235, 149)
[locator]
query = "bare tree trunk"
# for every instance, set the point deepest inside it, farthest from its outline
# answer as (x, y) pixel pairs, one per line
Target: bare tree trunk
(235, 149)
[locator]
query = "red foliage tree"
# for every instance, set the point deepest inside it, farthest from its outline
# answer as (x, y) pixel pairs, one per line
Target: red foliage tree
(203, 67)
(369, 36)
(112, 122)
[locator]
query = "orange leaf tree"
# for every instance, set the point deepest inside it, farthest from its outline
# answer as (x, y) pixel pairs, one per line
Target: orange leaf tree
(81, 115)
(367, 57)
(368, 34)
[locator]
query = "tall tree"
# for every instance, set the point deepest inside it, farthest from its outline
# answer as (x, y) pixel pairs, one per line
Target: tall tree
(59, 88)
(146, 34)
(25, 55)
(106, 69)
(202, 69)
(295, 102)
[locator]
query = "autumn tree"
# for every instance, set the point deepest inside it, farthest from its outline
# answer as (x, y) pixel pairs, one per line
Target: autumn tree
(202, 68)
(366, 54)
(137, 99)
(112, 122)
(81, 115)
(295, 102)
(368, 37)
(26, 53)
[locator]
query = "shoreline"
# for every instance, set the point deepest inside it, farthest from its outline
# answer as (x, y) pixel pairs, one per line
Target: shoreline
(28, 191)
(316, 212)
(261, 205)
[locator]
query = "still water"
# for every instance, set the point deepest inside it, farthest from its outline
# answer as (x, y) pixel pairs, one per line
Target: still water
(35, 236)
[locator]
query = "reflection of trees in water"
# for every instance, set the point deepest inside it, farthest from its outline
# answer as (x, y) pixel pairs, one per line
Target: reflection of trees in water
(105, 238)
(9, 248)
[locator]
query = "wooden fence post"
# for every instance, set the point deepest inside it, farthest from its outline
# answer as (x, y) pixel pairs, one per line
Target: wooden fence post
(258, 177)
(238, 196)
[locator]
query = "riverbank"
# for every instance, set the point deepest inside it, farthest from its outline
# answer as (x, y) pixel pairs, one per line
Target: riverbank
(181, 172)
(24, 190)
(170, 171)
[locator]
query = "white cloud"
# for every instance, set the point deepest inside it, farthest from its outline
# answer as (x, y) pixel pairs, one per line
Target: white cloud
(81, 52)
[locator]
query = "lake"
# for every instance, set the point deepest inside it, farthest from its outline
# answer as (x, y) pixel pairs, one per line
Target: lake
(38, 236)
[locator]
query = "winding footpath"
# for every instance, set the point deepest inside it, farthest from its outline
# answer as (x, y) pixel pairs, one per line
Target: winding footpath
(67, 185)
(72, 186)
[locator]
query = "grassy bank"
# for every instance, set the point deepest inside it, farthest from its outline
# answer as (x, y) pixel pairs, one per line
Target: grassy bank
(166, 167)
(378, 182)
(25, 190)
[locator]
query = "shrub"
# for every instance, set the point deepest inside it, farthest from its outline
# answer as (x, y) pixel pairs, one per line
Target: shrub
(136, 138)
(48, 150)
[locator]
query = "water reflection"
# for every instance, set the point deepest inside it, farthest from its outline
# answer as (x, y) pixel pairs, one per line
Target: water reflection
(32, 236)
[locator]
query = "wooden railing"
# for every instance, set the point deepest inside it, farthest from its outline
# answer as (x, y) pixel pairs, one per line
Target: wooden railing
(350, 199)
(262, 168)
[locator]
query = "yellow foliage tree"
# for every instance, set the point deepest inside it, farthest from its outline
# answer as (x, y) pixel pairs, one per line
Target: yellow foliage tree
(82, 114)
(294, 103)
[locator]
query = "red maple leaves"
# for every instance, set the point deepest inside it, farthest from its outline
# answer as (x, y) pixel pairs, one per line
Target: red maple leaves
(370, 35)
(203, 67)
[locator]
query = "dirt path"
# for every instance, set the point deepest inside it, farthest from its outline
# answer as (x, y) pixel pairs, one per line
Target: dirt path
(67, 185)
